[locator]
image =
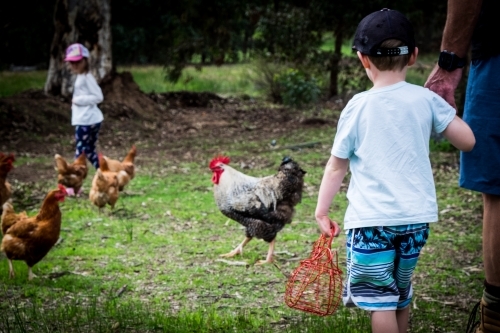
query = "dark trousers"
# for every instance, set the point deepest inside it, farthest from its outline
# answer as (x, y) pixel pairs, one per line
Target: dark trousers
(86, 139)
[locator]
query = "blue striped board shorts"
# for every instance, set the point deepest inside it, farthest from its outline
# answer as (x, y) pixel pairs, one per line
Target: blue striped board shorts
(380, 263)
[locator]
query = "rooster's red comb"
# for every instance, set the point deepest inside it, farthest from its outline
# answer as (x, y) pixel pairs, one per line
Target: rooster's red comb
(218, 159)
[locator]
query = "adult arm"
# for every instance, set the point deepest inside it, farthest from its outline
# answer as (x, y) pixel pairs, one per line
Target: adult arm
(95, 93)
(335, 171)
(460, 22)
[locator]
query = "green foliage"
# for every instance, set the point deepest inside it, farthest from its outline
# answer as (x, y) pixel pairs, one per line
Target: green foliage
(26, 31)
(287, 33)
(296, 88)
(352, 76)
(264, 79)
(441, 145)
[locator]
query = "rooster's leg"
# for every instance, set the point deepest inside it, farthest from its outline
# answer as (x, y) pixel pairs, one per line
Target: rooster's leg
(238, 249)
(11, 270)
(30, 274)
(269, 258)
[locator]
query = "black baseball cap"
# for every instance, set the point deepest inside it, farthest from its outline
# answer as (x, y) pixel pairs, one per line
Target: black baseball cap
(380, 26)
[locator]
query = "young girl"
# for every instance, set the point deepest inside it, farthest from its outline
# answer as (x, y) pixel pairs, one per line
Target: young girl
(86, 116)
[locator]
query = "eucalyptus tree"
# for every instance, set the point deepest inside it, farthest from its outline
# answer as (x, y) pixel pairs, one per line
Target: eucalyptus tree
(79, 21)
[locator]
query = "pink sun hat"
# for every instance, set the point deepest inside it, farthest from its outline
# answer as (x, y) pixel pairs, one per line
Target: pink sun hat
(76, 52)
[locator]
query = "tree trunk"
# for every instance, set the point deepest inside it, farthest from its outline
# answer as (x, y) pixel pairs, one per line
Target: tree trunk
(79, 21)
(335, 60)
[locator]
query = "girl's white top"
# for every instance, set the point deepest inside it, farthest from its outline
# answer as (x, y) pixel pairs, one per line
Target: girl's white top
(86, 95)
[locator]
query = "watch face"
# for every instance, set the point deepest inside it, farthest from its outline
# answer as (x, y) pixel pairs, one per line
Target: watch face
(446, 61)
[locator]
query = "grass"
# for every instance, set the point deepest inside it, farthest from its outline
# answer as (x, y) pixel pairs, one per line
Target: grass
(152, 264)
(225, 80)
(14, 82)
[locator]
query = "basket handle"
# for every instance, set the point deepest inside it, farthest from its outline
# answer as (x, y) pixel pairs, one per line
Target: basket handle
(327, 244)
(328, 240)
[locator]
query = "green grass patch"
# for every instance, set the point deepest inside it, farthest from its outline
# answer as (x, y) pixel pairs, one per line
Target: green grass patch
(15, 82)
(235, 80)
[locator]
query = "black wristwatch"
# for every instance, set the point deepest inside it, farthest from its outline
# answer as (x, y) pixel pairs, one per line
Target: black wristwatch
(450, 61)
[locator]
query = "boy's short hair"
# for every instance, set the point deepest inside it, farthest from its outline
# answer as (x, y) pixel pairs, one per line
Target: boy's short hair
(386, 34)
(390, 63)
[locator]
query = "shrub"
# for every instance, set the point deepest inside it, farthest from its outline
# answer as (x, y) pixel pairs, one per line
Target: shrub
(296, 88)
(352, 76)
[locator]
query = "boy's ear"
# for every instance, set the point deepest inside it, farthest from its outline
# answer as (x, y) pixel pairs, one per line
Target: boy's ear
(364, 59)
(413, 57)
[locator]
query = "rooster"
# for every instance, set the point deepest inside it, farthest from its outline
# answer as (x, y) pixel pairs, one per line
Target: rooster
(71, 175)
(262, 205)
(125, 169)
(104, 188)
(5, 167)
(31, 238)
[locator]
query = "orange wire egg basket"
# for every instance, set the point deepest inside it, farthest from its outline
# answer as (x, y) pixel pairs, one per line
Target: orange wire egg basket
(316, 285)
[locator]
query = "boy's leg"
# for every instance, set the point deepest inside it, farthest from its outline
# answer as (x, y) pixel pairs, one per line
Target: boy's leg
(402, 317)
(385, 322)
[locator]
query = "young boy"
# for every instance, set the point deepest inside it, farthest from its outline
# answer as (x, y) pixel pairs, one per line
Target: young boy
(383, 134)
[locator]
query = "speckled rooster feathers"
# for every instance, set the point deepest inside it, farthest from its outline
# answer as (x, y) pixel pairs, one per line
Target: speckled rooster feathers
(262, 205)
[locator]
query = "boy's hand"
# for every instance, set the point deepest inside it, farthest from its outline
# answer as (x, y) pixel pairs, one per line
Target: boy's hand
(326, 226)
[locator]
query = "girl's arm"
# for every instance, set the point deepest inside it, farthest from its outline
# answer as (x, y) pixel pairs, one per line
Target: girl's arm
(460, 135)
(95, 93)
(335, 170)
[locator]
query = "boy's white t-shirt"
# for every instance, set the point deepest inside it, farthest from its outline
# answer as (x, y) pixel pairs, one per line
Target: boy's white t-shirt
(86, 95)
(385, 134)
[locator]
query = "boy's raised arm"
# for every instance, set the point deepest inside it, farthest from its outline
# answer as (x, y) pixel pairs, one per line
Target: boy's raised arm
(335, 170)
(460, 135)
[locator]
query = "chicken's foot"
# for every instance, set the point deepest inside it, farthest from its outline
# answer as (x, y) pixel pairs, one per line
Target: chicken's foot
(30, 274)
(11, 270)
(270, 253)
(238, 249)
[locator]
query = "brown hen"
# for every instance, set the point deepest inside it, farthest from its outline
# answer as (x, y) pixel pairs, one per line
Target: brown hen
(104, 188)
(31, 238)
(5, 167)
(71, 175)
(125, 169)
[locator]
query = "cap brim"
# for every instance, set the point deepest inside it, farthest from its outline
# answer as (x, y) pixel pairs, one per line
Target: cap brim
(77, 58)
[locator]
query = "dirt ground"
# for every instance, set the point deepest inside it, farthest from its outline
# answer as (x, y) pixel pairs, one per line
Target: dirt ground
(164, 125)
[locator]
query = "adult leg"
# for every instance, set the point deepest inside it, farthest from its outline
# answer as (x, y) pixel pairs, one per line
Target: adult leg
(491, 239)
(490, 302)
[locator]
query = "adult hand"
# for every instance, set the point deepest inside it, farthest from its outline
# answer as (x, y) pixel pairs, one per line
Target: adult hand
(326, 226)
(444, 83)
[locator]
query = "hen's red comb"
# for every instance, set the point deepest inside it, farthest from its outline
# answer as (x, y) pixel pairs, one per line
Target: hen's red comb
(62, 189)
(9, 158)
(218, 159)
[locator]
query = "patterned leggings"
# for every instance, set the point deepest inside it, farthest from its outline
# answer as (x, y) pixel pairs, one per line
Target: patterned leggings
(86, 139)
